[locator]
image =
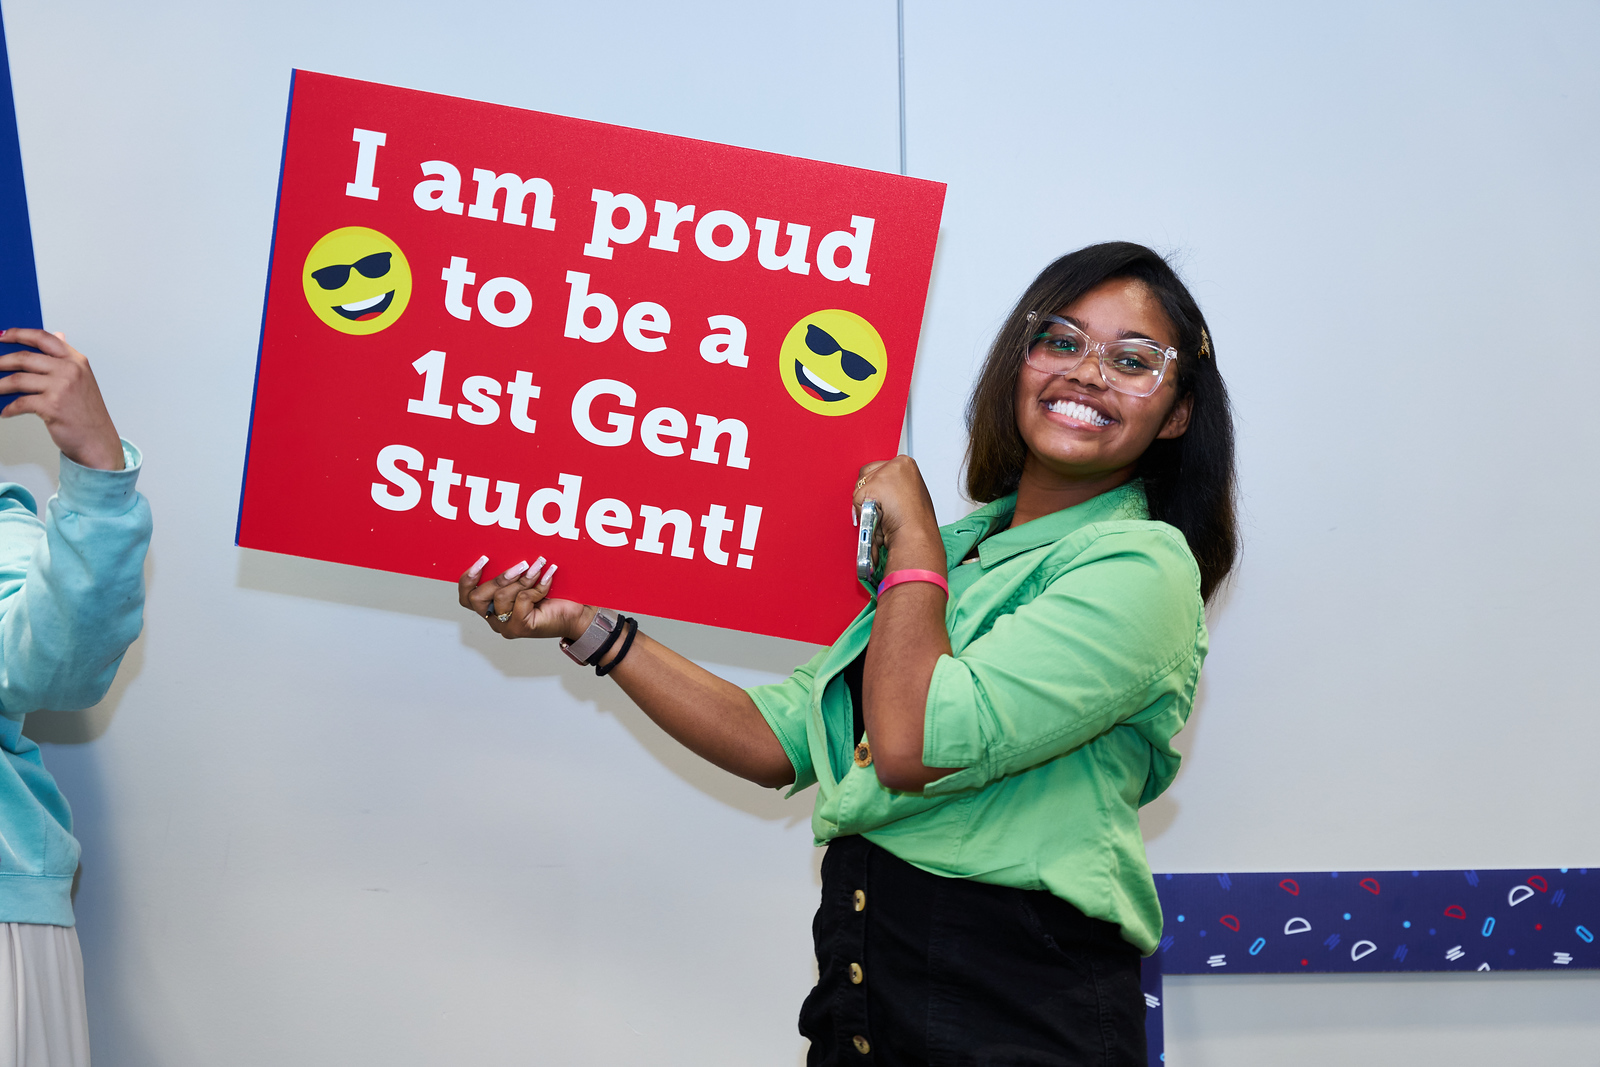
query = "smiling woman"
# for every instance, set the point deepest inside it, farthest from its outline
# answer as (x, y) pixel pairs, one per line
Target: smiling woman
(983, 735)
(1188, 474)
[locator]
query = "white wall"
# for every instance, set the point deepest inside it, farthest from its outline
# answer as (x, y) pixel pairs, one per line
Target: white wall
(329, 818)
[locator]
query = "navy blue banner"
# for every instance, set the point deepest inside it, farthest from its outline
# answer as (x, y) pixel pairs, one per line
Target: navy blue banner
(1357, 922)
(1365, 922)
(19, 285)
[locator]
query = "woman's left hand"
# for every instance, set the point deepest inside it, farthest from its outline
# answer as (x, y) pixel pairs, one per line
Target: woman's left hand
(908, 625)
(907, 524)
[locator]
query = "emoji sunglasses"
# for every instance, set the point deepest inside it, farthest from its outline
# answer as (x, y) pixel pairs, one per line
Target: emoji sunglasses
(822, 343)
(335, 277)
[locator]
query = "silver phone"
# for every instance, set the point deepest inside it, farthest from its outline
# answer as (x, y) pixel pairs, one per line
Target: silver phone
(868, 531)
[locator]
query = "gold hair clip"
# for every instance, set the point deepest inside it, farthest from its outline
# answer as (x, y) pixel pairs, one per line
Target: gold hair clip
(1205, 343)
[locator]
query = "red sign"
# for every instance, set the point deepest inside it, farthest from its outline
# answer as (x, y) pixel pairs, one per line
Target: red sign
(657, 362)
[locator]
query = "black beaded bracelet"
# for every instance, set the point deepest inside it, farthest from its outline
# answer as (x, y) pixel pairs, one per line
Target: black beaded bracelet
(601, 670)
(605, 646)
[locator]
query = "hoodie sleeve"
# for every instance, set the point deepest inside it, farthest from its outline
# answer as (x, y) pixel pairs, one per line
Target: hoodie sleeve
(71, 586)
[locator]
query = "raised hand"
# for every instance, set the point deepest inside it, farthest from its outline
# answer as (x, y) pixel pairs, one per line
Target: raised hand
(56, 384)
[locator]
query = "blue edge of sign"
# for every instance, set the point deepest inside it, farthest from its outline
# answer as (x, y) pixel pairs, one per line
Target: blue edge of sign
(19, 284)
(1370, 922)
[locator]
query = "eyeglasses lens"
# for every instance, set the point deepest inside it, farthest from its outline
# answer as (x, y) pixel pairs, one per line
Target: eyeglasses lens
(1132, 367)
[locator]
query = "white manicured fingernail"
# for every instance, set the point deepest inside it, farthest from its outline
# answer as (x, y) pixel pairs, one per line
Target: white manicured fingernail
(514, 571)
(533, 571)
(549, 574)
(477, 568)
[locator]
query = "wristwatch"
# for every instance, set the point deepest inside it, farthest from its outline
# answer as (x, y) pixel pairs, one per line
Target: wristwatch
(582, 650)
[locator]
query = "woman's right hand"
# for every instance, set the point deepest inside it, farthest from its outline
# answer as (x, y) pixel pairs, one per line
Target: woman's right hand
(523, 593)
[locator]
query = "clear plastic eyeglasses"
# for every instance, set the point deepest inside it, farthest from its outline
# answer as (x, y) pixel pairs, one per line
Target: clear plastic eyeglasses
(1132, 367)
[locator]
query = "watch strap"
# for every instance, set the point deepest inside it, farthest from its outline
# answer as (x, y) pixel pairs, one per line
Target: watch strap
(601, 628)
(631, 625)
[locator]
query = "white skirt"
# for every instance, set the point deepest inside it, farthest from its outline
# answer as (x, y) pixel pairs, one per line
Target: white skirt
(43, 1022)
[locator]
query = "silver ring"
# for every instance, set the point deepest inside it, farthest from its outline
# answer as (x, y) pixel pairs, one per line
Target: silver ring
(503, 618)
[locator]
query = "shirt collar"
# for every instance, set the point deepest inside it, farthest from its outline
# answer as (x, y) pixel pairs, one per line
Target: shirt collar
(1127, 501)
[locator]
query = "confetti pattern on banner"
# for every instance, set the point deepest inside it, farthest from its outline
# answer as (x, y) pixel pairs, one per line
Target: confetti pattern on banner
(1369, 922)
(1360, 922)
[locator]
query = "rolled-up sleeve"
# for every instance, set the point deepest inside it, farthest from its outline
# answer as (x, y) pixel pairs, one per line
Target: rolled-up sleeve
(785, 705)
(71, 587)
(1097, 646)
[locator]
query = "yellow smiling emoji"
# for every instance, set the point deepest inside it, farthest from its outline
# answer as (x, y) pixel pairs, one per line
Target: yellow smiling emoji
(357, 280)
(833, 362)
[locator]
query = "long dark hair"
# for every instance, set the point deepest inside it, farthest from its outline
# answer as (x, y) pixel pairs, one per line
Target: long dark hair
(1188, 480)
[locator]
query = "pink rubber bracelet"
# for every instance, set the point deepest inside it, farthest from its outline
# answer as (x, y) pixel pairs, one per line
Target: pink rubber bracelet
(896, 577)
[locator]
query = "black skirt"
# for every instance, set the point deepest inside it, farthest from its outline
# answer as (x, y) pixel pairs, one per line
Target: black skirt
(917, 970)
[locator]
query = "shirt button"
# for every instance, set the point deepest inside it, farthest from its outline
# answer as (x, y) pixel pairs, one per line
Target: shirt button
(863, 755)
(862, 1045)
(856, 974)
(861, 900)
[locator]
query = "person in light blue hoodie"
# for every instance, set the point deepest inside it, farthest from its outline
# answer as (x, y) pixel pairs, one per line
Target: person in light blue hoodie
(71, 602)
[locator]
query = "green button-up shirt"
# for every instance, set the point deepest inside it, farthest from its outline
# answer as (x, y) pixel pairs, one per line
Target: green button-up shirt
(1077, 641)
